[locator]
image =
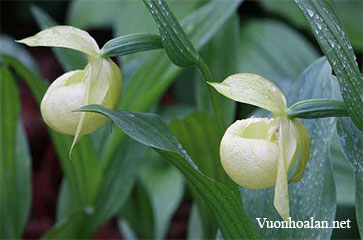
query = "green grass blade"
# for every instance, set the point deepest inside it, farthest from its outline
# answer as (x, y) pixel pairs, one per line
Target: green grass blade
(332, 38)
(15, 166)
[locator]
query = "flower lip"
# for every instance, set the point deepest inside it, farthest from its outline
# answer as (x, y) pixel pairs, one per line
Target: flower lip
(248, 156)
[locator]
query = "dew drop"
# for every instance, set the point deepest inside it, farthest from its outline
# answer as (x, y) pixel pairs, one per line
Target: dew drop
(310, 12)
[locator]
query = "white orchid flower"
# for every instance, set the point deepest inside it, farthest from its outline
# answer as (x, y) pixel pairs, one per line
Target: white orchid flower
(100, 82)
(258, 153)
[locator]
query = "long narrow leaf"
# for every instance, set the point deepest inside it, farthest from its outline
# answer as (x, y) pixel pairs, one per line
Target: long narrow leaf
(15, 167)
(332, 38)
(351, 139)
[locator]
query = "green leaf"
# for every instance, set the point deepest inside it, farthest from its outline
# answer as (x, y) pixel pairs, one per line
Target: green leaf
(151, 131)
(176, 44)
(15, 162)
(278, 59)
(343, 174)
(8, 46)
(313, 196)
(201, 25)
(195, 225)
(165, 187)
(131, 43)
(349, 11)
(68, 225)
(331, 36)
(144, 22)
(119, 177)
(317, 108)
(197, 133)
(351, 139)
(68, 58)
(138, 212)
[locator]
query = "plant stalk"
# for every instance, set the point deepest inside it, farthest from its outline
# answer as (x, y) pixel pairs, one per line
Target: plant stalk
(208, 77)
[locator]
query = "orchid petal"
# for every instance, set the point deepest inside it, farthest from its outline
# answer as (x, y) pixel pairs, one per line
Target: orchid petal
(64, 36)
(104, 84)
(281, 199)
(248, 156)
(253, 89)
(64, 95)
(303, 142)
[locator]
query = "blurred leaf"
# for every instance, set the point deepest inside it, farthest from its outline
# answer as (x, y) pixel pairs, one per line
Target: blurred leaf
(89, 13)
(8, 46)
(117, 14)
(343, 174)
(195, 225)
(277, 59)
(138, 212)
(165, 186)
(350, 12)
(84, 171)
(144, 22)
(331, 36)
(223, 61)
(66, 226)
(197, 133)
(15, 161)
(313, 196)
(68, 58)
(351, 139)
(119, 177)
(150, 130)
(126, 230)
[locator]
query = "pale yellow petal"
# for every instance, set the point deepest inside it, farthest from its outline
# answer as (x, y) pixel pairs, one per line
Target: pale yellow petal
(64, 95)
(281, 199)
(253, 89)
(104, 86)
(64, 36)
(247, 156)
(303, 142)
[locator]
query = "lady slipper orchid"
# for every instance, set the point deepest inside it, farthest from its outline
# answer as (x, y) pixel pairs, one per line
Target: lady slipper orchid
(259, 153)
(100, 82)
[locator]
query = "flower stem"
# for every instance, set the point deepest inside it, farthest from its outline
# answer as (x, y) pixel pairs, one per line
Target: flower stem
(208, 77)
(317, 108)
